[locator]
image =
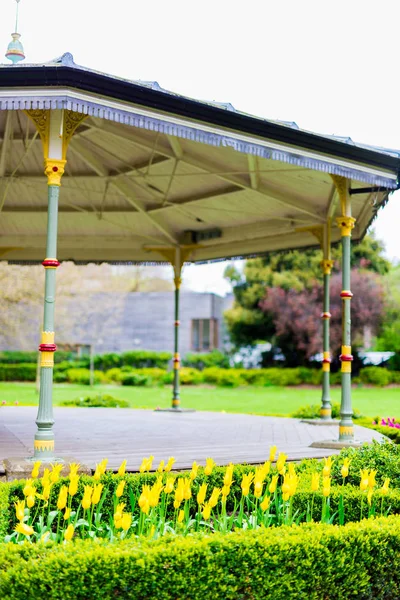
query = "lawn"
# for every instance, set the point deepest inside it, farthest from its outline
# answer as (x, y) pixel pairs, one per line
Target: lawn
(264, 401)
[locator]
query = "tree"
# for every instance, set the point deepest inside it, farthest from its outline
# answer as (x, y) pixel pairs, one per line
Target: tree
(293, 271)
(296, 315)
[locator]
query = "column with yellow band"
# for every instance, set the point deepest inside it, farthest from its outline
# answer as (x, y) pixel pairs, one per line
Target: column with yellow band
(346, 430)
(176, 360)
(44, 437)
(326, 408)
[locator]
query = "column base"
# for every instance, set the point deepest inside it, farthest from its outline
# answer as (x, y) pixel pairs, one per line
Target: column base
(175, 410)
(321, 421)
(21, 468)
(336, 444)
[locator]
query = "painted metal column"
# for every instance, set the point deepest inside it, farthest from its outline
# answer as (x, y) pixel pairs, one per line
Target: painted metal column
(346, 224)
(326, 408)
(56, 128)
(54, 169)
(177, 359)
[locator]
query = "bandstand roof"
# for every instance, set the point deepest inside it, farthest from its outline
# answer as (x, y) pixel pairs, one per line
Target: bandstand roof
(151, 168)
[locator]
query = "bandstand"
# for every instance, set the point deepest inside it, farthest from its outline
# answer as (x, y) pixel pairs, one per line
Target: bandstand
(134, 173)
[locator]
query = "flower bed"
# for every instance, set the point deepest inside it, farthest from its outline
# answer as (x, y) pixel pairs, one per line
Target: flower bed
(207, 499)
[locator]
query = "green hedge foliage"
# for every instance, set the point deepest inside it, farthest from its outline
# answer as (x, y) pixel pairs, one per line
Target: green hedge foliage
(18, 372)
(301, 562)
(215, 358)
(14, 357)
(100, 400)
(383, 457)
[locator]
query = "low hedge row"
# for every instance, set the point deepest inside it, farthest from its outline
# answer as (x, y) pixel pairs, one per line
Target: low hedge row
(78, 372)
(300, 562)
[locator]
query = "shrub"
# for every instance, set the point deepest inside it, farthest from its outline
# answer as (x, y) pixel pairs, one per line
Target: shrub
(134, 378)
(141, 359)
(60, 377)
(384, 457)
(311, 561)
(283, 377)
(188, 376)
(223, 377)
(82, 376)
(215, 358)
(375, 376)
(18, 372)
(17, 357)
(114, 374)
(100, 400)
(312, 411)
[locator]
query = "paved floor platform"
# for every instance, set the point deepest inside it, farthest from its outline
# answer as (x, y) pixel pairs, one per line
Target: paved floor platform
(90, 434)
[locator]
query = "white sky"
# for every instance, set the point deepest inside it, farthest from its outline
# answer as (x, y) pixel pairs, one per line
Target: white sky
(329, 65)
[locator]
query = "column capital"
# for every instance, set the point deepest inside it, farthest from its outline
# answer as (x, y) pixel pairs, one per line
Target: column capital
(327, 266)
(54, 169)
(345, 225)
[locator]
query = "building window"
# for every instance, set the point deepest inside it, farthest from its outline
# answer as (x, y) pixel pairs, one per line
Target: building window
(204, 335)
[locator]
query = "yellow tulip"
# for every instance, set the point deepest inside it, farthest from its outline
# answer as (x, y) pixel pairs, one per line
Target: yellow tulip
(265, 503)
(119, 511)
(35, 470)
(272, 453)
(73, 469)
(155, 491)
(73, 485)
(180, 491)
(27, 489)
(169, 464)
(326, 471)
(246, 482)
(273, 484)
(225, 491)
(103, 465)
(280, 463)
(314, 482)
(193, 472)
(120, 489)
(258, 489)
(46, 491)
(187, 492)
(326, 486)
(169, 485)
(385, 486)
(30, 501)
(122, 468)
(213, 501)
(126, 521)
(345, 468)
(206, 512)
(364, 481)
(146, 464)
(69, 532)
(24, 529)
(67, 514)
(369, 495)
(46, 477)
(62, 497)
(266, 468)
(55, 472)
(210, 464)
(160, 467)
(371, 479)
(87, 497)
(181, 516)
(228, 477)
(97, 490)
(201, 495)
(19, 509)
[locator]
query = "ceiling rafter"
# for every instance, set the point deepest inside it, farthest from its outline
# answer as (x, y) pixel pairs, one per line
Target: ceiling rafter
(263, 190)
(6, 143)
(124, 185)
(253, 171)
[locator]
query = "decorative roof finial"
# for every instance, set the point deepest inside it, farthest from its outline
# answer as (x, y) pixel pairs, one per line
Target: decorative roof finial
(15, 50)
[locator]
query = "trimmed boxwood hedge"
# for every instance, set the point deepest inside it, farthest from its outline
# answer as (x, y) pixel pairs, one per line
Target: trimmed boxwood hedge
(310, 562)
